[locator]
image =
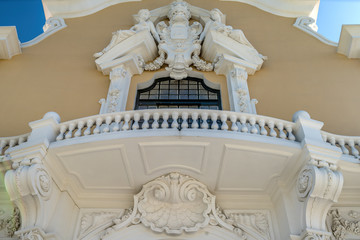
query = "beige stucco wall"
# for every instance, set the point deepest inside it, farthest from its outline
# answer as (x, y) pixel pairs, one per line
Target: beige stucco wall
(59, 74)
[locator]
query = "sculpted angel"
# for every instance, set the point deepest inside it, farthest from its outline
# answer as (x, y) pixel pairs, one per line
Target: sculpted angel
(216, 24)
(120, 35)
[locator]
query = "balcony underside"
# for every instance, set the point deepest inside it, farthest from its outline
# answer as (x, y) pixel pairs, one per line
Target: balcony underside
(106, 170)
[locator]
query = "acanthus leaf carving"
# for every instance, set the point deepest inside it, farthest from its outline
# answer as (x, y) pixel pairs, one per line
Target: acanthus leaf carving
(11, 223)
(341, 227)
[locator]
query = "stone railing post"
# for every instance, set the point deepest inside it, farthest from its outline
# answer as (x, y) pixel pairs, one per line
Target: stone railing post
(319, 182)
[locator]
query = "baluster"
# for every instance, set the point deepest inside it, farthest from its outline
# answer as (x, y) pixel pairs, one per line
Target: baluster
(135, 125)
(290, 135)
(21, 140)
(280, 127)
(79, 127)
(332, 141)
(253, 128)
(243, 124)
(108, 121)
(98, 124)
(223, 118)
(204, 117)
(89, 125)
(146, 125)
(271, 125)
(12, 142)
(194, 117)
(184, 117)
(233, 119)
(62, 132)
(70, 132)
(155, 124)
(354, 151)
(263, 130)
(3, 143)
(343, 148)
(175, 116)
(214, 125)
(117, 123)
(165, 123)
(126, 122)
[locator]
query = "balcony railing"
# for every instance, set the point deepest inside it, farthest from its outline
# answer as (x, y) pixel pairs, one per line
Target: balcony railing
(181, 119)
(178, 119)
(349, 145)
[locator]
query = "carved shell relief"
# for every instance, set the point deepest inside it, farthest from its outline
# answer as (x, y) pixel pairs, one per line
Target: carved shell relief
(174, 204)
(178, 43)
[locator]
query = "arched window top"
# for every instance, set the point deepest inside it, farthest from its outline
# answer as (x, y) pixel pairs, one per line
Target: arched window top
(186, 93)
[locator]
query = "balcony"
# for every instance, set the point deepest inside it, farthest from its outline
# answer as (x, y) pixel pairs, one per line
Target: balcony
(241, 157)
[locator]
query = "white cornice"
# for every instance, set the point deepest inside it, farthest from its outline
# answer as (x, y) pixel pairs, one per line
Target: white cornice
(79, 8)
(52, 25)
(308, 25)
(285, 8)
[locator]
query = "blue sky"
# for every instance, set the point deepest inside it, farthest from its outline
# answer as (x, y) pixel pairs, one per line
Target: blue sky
(28, 16)
(334, 13)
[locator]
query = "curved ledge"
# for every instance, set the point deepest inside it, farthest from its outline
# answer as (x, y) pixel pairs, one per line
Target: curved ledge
(284, 8)
(80, 8)
(52, 25)
(308, 25)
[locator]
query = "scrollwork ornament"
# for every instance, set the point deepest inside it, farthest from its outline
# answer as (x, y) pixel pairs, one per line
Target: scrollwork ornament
(31, 235)
(316, 236)
(305, 183)
(43, 183)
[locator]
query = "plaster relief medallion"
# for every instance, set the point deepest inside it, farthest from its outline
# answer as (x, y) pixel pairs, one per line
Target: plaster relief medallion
(174, 203)
(304, 183)
(43, 182)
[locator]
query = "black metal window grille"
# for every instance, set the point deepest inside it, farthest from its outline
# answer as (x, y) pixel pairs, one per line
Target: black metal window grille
(187, 93)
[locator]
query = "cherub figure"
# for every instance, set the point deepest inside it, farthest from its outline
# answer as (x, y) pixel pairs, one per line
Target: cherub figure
(120, 35)
(216, 24)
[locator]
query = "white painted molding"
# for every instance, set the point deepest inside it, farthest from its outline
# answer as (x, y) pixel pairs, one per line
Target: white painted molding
(285, 8)
(79, 8)
(349, 43)
(308, 25)
(9, 42)
(52, 25)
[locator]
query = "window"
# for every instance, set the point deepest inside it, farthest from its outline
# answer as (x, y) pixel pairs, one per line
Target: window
(187, 93)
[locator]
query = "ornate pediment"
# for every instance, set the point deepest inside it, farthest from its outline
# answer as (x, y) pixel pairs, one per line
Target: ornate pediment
(178, 43)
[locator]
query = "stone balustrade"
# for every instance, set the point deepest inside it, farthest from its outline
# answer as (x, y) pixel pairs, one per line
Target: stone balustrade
(177, 119)
(8, 142)
(349, 145)
(188, 119)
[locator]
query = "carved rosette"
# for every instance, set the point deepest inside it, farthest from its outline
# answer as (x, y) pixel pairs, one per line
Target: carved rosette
(305, 183)
(43, 182)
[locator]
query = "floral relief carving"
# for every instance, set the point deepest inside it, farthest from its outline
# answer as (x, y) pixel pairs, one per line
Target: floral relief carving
(243, 96)
(341, 227)
(34, 234)
(316, 236)
(11, 223)
(43, 182)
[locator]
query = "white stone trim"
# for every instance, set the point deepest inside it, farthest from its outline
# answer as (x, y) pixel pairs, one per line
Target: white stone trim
(284, 8)
(9, 42)
(80, 8)
(349, 43)
(308, 25)
(52, 25)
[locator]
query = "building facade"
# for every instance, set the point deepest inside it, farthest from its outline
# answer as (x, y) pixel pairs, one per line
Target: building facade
(188, 141)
